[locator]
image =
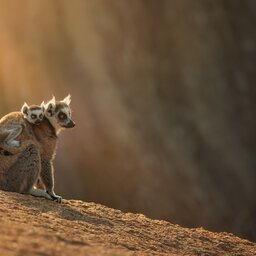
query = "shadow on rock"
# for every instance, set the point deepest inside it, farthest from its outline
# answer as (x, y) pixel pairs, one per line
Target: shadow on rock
(63, 210)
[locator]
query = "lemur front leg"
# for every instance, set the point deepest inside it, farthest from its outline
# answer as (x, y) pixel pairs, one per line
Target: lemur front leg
(47, 177)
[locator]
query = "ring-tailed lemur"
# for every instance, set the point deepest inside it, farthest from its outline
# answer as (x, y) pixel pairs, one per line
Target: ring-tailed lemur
(12, 124)
(57, 117)
(39, 154)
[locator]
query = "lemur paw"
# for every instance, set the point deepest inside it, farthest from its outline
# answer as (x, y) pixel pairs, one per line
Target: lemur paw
(55, 197)
(14, 143)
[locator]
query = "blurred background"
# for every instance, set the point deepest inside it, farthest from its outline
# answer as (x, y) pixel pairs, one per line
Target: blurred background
(163, 95)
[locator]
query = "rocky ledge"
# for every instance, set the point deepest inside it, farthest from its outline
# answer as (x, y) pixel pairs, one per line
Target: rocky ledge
(35, 226)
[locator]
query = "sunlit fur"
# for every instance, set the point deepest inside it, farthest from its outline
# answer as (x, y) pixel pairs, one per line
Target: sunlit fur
(59, 113)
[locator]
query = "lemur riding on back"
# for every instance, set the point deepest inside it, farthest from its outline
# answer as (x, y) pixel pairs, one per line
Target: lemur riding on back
(12, 124)
(19, 172)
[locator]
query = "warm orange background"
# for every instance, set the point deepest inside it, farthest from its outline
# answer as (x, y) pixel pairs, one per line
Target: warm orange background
(163, 95)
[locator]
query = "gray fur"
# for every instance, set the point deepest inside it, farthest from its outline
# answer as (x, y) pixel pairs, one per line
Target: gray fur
(28, 165)
(39, 193)
(13, 132)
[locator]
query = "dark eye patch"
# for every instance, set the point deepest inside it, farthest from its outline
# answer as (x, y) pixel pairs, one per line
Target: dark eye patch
(62, 116)
(41, 116)
(33, 116)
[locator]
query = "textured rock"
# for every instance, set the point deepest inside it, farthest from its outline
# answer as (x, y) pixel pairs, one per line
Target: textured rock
(35, 226)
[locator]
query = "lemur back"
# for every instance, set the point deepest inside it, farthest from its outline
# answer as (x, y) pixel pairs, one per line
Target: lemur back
(16, 118)
(12, 118)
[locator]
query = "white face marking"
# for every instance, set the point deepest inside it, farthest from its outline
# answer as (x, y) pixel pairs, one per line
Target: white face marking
(35, 115)
(62, 118)
(36, 112)
(67, 111)
(64, 111)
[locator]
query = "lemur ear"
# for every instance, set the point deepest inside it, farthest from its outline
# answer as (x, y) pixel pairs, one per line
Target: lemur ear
(67, 100)
(24, 109)
(42, 106)
(50, 106)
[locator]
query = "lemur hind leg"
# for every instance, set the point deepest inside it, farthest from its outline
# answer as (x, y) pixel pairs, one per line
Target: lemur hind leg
(40, 193)
(21, 176)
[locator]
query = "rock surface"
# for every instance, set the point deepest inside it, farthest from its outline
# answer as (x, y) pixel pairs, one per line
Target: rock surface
(35, 226)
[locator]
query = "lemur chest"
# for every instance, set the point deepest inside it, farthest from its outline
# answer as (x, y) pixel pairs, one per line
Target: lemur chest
(47, 141)
(48, 145)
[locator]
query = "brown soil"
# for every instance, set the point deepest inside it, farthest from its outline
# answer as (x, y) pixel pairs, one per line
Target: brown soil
(35, 226)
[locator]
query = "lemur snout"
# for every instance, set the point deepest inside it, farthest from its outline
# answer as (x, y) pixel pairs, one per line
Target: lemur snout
(71, 124)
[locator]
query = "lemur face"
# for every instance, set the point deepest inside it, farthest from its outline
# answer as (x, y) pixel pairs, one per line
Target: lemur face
(34, 113)
(59, 113)
(62, 115)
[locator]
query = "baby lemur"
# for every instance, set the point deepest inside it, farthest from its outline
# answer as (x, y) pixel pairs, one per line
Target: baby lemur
(20, 172)
(12, 124)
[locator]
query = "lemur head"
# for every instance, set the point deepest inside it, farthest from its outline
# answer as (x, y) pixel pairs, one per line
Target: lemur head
(59, 113)
(34, 113)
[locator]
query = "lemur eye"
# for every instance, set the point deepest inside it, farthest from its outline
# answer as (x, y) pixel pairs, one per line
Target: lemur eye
(33, 116)
(62, 116)
(41, 116)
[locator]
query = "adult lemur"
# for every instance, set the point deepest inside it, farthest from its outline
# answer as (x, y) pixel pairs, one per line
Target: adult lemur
(57, 117)
(20, 172)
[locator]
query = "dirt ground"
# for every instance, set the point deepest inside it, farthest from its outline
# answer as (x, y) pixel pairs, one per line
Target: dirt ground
(35, 226)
